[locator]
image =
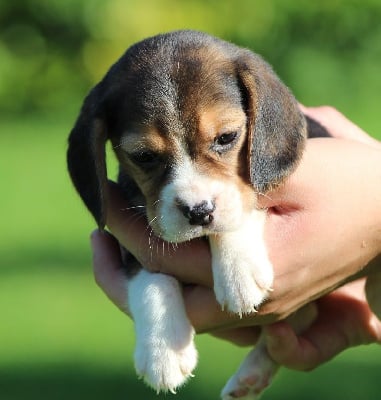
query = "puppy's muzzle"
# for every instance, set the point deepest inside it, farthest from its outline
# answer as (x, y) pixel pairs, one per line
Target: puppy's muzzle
(198, 214)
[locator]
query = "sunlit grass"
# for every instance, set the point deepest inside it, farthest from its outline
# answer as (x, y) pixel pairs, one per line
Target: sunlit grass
(58, 315)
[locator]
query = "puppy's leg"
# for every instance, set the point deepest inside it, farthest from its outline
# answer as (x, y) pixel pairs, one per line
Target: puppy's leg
(258, 369)
(242, 272)
(165, 355)
(253, 375)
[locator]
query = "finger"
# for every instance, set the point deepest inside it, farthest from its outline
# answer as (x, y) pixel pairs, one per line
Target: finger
(289, 350)
(245, 336)
(107, 269)
(207, 316)
(204, 311)
(338, 125)
(344, 320)
(189, 262)
(320, 343)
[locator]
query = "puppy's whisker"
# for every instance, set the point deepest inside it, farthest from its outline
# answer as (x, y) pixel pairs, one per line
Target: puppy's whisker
(151, 239)
(152, 220)
(172, 247)
(151, 235)
(133, 208)
(265, 195)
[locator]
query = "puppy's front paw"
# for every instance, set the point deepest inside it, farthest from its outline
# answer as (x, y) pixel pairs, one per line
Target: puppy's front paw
(165, 355)
(163, 367)
(241, 295)
(242, 271)
(242, 286)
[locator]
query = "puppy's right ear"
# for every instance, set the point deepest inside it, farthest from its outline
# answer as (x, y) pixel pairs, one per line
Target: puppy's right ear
(86, 157)
(276, 126)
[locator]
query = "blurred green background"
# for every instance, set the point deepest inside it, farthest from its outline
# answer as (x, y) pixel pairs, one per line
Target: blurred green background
(60, 337)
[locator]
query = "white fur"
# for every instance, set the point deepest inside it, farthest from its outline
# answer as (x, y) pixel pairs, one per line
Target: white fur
(243, 276)
(192, 187)
(252, 377)
(242, 272)
(165, 355)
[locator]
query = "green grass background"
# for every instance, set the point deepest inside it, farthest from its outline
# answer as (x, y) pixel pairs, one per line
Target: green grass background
(60, 338)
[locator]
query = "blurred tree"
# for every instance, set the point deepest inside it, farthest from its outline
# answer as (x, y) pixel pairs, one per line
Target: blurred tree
(39, 50)
(51, 51)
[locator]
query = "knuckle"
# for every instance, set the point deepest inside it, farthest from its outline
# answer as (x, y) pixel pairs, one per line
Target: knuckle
(329, 111)
(374, 330)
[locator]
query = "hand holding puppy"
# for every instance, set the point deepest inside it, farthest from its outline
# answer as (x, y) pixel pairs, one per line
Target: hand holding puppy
(308, 263)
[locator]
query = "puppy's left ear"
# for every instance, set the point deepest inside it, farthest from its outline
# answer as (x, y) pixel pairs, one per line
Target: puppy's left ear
(86, 156)
(276, 127)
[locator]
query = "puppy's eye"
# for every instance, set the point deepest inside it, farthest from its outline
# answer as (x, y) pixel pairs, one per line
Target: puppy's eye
(226, 138)
(225, 142)
(144, 157)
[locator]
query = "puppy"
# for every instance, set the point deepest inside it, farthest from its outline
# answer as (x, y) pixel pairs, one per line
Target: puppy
(200, 127)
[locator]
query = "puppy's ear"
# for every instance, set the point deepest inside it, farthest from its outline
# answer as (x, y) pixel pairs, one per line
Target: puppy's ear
(276, 127)
(86, 157)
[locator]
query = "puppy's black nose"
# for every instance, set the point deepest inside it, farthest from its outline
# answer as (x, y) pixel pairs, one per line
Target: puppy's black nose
(199, 214)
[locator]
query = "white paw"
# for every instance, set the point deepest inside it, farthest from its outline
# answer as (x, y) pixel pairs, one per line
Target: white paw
(252, 378)
(162, 367)
(241, 296)
(242, 271)
(165, 355)
(243, 286)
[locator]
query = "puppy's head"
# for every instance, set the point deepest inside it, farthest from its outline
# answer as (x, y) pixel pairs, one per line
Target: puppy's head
(196, 123)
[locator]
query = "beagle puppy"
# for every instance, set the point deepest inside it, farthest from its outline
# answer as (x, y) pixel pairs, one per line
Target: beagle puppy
(200, 128)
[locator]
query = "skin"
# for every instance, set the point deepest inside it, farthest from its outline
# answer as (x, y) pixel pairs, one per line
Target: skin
(323, 230)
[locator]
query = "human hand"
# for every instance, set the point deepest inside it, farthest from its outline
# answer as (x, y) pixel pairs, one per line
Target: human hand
(344, 316)
(344, 320)
(324, 225)
(338, 125)
(301, 214)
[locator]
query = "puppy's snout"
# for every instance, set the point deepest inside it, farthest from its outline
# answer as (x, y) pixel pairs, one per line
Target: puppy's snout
(198, 214)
